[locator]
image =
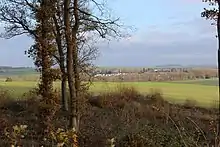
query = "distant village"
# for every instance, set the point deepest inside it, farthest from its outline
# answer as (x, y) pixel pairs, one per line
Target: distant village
(115, 72)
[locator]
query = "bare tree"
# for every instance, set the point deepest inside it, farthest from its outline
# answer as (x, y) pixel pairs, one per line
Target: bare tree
(213, 14)
(60, 57)
(72, 24)
(79, 15)
(19, 18)
(71, 46)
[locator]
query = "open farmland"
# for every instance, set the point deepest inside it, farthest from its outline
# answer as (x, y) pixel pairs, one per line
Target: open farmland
(204, 94)
(209, 82)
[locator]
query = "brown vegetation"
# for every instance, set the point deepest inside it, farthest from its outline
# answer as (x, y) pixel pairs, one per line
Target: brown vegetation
(8, 79)
(124, 117)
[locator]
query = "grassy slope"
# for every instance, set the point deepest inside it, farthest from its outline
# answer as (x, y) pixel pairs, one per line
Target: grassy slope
(209, 82)
(205, 95)
(177, 92)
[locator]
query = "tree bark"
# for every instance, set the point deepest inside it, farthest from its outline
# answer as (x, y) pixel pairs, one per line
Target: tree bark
(218, 32)
(69, 59)
(63, 94)
(46, 87)
(75, 62)
(61, 63)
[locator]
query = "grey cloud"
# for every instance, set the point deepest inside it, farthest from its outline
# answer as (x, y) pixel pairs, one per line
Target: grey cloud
(184, 42)
(178, 32)
(194, 44)
(144, 55)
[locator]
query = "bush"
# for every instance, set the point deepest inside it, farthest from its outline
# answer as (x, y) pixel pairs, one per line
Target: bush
(155, 97)
(4, 97)
(189, 103)
(8, 79)
(207, 76)
(120, 97)
(133, 140)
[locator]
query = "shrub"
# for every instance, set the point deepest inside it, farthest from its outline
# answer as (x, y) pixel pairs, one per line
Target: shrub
(119, 98)
(8, 79)
(133, 140)
(156, 97)
(189, 103)
(207, 76)
(4, 97)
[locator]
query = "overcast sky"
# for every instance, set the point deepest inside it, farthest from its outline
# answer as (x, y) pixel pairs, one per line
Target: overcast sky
(168, 32)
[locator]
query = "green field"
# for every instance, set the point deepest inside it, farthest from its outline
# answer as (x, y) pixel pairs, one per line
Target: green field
(205, 94)
(208, 82)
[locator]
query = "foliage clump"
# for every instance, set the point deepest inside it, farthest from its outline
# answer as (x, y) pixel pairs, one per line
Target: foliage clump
(115, 99)
(8, 79)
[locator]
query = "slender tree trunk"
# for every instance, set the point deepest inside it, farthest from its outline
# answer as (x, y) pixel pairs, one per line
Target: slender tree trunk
(76, 84)
(63, 94)
(63, 81)
(218, 32)
(70, 75)
(75, 62)
(62, 62)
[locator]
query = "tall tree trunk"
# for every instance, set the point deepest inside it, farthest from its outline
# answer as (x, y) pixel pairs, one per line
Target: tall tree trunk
(69, 59)
(46, 87)
(45, 47)
(43, 40)
(218, 32)
(75, 61)
(61, 63)
(63, 93)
